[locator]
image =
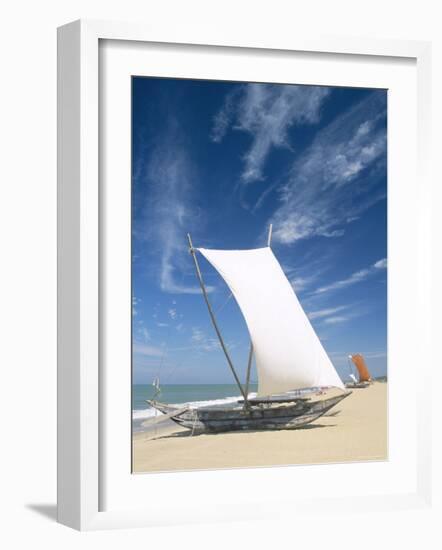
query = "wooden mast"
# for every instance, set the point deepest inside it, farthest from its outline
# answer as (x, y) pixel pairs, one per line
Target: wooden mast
(249, 368)
(249, 362)
(212, 316)
(269, 238)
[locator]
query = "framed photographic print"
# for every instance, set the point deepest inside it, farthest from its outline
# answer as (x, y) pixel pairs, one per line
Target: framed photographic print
(225, 161)
(240, 231)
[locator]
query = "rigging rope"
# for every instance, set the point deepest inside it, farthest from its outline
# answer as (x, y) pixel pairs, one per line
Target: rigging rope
(224, 304)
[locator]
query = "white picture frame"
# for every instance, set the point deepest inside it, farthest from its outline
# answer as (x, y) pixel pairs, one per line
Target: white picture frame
(79, 438)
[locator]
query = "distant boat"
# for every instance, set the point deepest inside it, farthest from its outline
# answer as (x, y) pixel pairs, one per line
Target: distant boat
(364, 377)
(297, 382)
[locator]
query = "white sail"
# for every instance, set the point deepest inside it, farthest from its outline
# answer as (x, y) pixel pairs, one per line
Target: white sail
(288, 353)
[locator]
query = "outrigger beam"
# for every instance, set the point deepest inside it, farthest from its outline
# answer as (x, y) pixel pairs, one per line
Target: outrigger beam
(212, 317)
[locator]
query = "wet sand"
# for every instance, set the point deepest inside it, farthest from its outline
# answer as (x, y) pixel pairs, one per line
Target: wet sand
(355, 430)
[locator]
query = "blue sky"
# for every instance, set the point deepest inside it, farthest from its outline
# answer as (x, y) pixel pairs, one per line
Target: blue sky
(224, 160)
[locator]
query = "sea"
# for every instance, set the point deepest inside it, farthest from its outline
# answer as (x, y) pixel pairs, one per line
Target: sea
(193, 395)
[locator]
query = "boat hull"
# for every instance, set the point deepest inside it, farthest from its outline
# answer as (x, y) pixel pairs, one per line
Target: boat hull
(267, 415)
(357, 385)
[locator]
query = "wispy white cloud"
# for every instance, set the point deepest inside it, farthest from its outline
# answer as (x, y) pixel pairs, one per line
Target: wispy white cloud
(301, 283)
(150, 351)
(203, 342)
(336, 315)
(170, 212)
(355, 277)
(326, 312)
(334, 320)
(170, 174)
(306, 272)
(135, 301)
(381, 264)
(144, 333)
(225, 116)
(173, 313)
(266, 112)
(321, 196)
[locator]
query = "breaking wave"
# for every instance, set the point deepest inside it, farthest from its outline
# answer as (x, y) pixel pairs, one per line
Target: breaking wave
(141, 414)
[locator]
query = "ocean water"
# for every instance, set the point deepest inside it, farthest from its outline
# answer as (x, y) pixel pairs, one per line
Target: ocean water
(191, 394)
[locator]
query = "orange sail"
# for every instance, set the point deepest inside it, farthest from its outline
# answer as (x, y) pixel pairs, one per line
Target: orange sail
(358, 360)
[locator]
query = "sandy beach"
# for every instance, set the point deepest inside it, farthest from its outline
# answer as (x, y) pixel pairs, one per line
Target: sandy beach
(356, 429)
